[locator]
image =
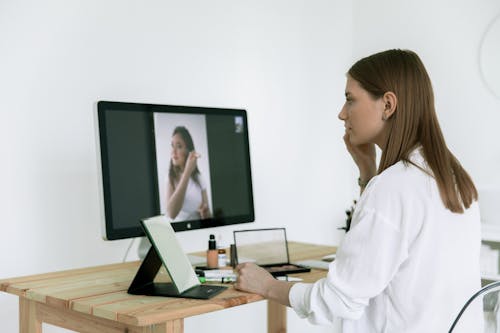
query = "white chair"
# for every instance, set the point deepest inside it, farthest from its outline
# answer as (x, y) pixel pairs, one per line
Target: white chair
(491, 307)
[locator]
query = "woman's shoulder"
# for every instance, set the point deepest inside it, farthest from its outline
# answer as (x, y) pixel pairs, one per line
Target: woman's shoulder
(401, 188)
(393, 177)
(403, 177)
(414, 167)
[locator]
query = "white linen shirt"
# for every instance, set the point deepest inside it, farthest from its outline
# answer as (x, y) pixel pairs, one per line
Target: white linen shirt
(407, 264)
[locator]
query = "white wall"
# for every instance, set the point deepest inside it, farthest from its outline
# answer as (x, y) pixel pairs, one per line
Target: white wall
(283, 61)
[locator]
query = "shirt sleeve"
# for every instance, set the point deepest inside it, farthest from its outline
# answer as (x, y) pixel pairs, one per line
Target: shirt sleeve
(366, 262)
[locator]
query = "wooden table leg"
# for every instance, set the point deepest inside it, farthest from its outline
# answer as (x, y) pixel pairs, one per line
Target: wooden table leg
(276, 317)
(171, 326)
(28, 320)
(32, 314)
(175, 326)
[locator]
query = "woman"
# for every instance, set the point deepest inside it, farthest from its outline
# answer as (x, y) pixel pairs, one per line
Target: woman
(411, 258)
(186, 191)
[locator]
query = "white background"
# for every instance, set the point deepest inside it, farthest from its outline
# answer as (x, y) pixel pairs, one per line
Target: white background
(282, 61)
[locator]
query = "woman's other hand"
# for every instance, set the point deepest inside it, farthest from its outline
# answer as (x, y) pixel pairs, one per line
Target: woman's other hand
(364, 156)
(254, 279)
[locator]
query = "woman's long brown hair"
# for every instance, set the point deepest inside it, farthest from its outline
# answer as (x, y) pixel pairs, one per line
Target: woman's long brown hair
(414, 123)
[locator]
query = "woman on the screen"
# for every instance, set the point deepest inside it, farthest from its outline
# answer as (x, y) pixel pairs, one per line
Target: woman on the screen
(186, 190)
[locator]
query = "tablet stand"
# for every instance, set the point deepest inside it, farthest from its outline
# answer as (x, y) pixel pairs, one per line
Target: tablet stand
(143, 281)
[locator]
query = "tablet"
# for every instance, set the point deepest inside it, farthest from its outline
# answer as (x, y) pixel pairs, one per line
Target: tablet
(162, 237)
(166, 250)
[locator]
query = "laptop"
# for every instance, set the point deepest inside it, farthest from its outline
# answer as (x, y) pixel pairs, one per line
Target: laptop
(268, 248)
(167, 251)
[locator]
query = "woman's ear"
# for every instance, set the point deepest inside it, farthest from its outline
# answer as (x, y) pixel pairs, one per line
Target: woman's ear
(391, 101)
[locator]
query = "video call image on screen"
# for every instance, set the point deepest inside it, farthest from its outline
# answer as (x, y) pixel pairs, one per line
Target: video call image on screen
(183, 151)
(190, 164)
(183, 165)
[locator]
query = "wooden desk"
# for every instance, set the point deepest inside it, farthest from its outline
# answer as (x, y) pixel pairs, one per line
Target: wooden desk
(95, 299)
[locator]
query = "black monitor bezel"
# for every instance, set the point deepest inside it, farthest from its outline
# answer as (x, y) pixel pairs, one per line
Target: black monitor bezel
(111, 231)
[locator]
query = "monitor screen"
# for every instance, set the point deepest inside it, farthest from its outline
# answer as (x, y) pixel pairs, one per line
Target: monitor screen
(191, 164)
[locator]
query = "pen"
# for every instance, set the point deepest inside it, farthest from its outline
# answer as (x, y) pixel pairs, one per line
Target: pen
(288, 278)
(227, 279)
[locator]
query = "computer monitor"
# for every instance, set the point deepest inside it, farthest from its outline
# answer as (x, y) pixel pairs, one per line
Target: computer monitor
(143, 149)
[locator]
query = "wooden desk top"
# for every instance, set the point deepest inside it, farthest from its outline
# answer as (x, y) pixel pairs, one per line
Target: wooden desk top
(101, 291)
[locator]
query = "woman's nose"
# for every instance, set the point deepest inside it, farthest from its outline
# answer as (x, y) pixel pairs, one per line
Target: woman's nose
(342, 114)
